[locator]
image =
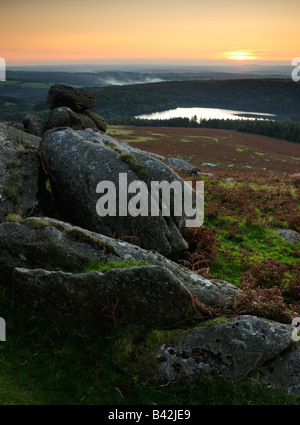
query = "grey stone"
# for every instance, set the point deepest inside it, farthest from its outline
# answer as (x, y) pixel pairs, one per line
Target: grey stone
(64, 117)
(150, 294)
(231, 350)
(284, 373)
(205, 174)
(76, 165)
(17, 136)
(86, 122)
(182, 165)
(74, 98)
(34, 125)
(44, 247)
(222, 282)
(289, 235)
(209, 164)
(99, 121)
(20, 174)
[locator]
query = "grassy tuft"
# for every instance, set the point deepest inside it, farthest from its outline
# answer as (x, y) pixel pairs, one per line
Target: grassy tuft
(14, 218)
(104, 266)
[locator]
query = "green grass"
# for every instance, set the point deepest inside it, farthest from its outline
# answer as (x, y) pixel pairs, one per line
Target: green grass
(36, 85)
(247, 212)
(189, 139)
(259, 243)
(9, 82)
(242, 149)
(117, 131)
(13, 191)
(141, 139)
(47, 362)
(104, 266)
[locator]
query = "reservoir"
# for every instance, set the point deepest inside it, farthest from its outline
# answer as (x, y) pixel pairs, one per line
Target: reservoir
(207, 113)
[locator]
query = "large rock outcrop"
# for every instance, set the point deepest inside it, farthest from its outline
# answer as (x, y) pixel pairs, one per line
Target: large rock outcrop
(44, 261)
(77, 161)
(74, 98)
(49, 244)
(69, 107)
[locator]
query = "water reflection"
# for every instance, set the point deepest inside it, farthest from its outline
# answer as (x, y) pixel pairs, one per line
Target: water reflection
(207, 113)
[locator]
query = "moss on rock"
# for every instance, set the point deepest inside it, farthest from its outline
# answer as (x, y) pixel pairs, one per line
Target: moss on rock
(136, 349)
(74, 233)
(137, 167)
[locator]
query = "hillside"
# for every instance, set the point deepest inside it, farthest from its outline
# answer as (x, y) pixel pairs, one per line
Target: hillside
(230, 150)
(278, 96)
(22, 94)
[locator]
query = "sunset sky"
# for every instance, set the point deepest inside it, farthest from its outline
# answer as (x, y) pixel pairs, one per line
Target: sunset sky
(85, 31)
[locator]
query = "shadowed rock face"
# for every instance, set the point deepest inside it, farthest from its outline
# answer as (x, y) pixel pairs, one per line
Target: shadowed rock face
(20, 173)
(77, 162)
(34, 125)
(141, 294)
(73, 98)
(69, 107)
(65, 117)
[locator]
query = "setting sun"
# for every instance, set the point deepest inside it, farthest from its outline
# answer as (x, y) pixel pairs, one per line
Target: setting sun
(241, 55)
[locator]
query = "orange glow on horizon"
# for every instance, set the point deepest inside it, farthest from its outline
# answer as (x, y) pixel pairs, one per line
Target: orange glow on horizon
(72, 30)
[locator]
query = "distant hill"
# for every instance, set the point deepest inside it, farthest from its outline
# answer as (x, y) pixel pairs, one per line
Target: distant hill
(26, 92)
(277, 96)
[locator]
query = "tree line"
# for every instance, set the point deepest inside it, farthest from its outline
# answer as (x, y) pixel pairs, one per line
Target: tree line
(286, 130)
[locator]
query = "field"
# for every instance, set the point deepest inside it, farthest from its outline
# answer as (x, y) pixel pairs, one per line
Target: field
(229, 149)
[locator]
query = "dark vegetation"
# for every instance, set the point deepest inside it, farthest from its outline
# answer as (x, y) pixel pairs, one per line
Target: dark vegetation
(45, 362)
(25, 93)
(277, 96)
(286, 129)
(238, 243)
